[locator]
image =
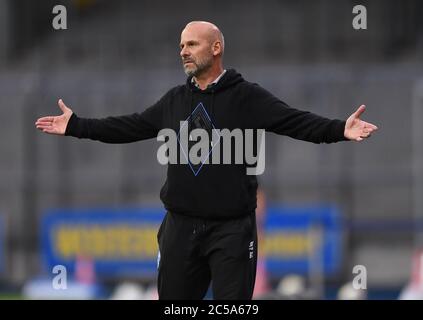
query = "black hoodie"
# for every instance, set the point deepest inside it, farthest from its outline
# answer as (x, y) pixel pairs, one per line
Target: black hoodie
(215, 191)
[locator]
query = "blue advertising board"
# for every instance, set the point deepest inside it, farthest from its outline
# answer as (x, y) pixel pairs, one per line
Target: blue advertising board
(124, 241)
(302, 240)
(118, 242)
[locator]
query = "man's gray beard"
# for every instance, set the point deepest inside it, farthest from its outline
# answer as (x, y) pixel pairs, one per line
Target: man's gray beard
(190, 72)
(200, 68)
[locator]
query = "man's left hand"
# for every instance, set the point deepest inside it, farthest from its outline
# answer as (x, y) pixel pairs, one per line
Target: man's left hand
(357, 129)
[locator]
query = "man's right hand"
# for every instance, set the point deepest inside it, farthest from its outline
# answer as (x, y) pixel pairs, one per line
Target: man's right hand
(55, 124)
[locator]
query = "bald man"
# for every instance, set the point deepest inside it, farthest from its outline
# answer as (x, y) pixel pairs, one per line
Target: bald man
(209, 232)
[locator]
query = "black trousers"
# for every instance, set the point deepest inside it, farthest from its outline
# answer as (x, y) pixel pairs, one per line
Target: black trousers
(195, 252)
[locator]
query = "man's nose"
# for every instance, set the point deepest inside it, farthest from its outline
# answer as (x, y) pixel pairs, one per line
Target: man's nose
(184, 53)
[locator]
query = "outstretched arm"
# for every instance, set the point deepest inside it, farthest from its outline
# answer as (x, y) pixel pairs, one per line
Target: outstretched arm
(55, 124)
(118, 129)
(267, 111)
(357, 129)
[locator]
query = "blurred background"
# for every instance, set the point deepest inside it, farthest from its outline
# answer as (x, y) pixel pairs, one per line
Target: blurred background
(323, 209)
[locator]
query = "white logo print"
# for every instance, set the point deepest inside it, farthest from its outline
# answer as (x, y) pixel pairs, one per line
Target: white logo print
(251, 248)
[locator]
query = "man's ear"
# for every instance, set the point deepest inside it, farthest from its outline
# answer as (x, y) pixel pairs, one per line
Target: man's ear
(217, 48)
